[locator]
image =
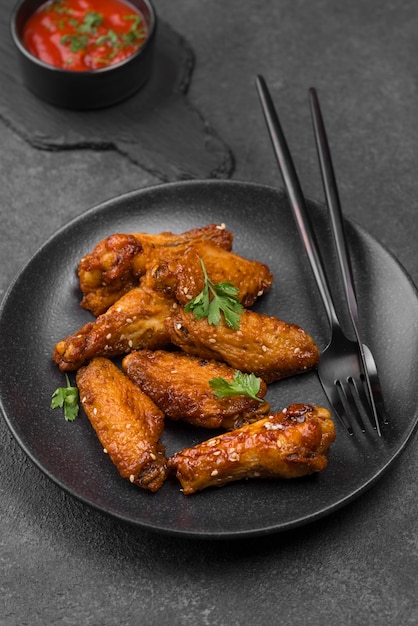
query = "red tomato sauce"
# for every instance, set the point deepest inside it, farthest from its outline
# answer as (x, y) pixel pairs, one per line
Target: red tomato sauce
(82, 35)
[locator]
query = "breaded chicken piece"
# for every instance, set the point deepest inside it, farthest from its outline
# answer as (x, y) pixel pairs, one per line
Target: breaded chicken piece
(135, 321)
(107, 273)
(289, 444)
(268, 347)
(126, 421)
(117, 262)
(182, 275)
(179, 385)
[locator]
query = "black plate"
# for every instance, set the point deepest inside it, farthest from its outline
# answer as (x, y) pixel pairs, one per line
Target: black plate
(41, 307)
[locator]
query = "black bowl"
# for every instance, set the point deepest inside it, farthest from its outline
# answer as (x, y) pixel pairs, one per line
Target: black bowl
(92, 89)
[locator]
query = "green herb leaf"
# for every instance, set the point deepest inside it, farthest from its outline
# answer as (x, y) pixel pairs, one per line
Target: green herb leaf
(214, 300)
(91, 21)
(66, 398)
(136, 32)
(242, 385)
(75, 42)
(110, 37)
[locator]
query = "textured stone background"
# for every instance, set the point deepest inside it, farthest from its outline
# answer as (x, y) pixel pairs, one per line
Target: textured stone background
(63, 563)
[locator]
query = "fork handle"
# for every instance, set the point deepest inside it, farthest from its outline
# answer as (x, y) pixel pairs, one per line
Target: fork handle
(334, 206)
(296, 198)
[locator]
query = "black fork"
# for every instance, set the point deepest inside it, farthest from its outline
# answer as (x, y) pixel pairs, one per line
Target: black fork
(346, 369)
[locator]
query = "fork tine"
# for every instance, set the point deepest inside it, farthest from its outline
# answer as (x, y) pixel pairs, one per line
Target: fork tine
(334, 398)
(351, 406)
(361, 401)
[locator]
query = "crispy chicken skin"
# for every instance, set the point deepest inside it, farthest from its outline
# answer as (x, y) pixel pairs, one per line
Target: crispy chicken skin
(107, 273)
(183, 276)
(289, 444)
(117, 262)
(179, 385)
(268, 347)
(126, 421)
(137, 320)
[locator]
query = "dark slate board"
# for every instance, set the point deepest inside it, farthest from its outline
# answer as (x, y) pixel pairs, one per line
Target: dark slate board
(157, 128)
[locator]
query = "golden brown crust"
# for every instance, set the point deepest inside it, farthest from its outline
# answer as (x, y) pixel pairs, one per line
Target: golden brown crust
(179, 385)
(182, 275)
(289, 444)
(117, 262)
(126, 421)
(107, 273)
(268, 347)
(135, 321)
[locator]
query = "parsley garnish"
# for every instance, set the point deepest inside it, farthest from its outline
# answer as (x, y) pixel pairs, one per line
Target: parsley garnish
(111, 37)
(75, 42)
(137, 30)
(241, 385)
(214, 299)
(67, 398)
(90, 22)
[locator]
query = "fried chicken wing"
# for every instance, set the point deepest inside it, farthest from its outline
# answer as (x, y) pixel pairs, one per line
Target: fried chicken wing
(135, 321)
(126, 421)
(107, 273)
(179, 385)
(268, 347)
(289, 444)
(117, 262)
(182, 275)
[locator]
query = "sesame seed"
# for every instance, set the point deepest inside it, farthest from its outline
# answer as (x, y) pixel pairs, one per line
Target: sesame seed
(83, 399)
(260, 293)
(178, 326)
(175, 305)
(95, 411)
(130, 343)
(129, 320)
(109, 336)
(296, 351)
(270, 426)
(185, 290)
(152, 455)
(104, 450)
(189, 296)
(212, 340)
(119, 309)
(233, 457)
(173, 372)
(264, 348)
(214, 473)
(216, 453)
(212, 442)
(221, 226)
(132, 478)
(128, 425)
